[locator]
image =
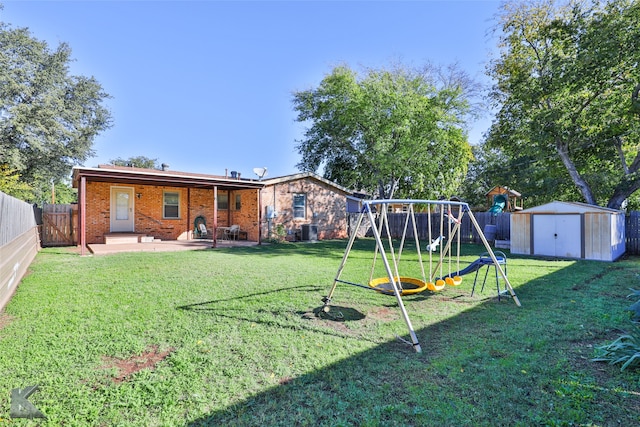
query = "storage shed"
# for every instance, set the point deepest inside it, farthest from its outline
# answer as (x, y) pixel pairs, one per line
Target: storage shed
(569, 230)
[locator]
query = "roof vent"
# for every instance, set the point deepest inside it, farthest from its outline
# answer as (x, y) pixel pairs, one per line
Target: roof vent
(234, 174)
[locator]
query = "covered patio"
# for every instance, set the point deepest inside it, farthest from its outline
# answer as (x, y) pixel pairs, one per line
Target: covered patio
(161, 206)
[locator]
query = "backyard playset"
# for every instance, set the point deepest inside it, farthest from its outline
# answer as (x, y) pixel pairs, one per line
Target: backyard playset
(441, 266)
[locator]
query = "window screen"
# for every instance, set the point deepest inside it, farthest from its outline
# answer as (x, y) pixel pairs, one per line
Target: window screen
(171, 205)
(299, 206)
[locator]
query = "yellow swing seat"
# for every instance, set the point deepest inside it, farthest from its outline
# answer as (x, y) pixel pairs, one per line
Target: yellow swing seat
(435, 287)
(407, 285)
(453, 281)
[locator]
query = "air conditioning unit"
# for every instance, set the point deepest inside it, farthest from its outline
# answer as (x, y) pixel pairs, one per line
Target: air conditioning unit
(309, 232)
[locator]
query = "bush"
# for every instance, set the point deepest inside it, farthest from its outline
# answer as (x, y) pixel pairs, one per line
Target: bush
(626, 349)
(635, 307)
(278, 235)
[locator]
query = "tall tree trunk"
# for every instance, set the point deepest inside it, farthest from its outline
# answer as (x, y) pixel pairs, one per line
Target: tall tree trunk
(626, 188)
(630, 181)
(583, 186)
(628, 184)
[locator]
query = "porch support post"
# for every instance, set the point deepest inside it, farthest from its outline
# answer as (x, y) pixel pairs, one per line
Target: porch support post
(82, 217)
(190, 233)
(259, 216)
(215, 216)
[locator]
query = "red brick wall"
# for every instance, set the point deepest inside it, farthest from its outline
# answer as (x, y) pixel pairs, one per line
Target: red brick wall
(325, 206)
(148, 211)
(246, 217)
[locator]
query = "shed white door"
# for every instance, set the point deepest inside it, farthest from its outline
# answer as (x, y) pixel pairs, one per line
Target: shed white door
(121, 209)
(557, 235)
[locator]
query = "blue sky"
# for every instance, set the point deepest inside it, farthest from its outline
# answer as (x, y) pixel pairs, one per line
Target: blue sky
(206, 86)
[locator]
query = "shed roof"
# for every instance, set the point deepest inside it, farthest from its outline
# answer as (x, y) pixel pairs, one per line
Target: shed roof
(568, 207)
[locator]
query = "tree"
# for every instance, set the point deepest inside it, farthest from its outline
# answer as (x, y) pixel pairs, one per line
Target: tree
(390, 132)
(10, 184)
(564, 84)
(137, 162)
(48, 118)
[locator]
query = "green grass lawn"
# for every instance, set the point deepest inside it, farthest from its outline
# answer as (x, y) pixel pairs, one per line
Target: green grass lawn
(229, 337)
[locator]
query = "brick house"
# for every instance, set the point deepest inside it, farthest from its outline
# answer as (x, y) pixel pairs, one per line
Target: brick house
(308, 206)
(165, 204)
(162, 204)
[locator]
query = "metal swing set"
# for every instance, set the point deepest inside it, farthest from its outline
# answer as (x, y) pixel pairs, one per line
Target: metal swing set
(394, 283)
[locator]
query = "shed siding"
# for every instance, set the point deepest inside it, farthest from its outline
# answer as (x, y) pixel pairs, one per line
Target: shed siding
(618, 233)
(597, 236)
(521, 234)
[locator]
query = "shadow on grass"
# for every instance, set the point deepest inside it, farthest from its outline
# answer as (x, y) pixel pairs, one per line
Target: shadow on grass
(321, 248)
(337, 314)
(211, 304)
(494, 364)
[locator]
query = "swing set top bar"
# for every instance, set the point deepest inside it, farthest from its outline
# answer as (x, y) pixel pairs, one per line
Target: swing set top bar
(415, 202)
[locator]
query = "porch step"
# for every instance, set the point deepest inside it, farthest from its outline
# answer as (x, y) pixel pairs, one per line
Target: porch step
(126, 238)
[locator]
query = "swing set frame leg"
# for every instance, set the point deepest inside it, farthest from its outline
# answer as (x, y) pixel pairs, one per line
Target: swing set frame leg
(487, 246)
(396, 290)
(395, 285)
(327, 299)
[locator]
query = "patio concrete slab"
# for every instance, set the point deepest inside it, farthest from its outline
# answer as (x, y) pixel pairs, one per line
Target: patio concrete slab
(165, 246)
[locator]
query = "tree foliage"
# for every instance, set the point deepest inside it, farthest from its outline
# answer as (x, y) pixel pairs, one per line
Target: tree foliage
(392, 132)
(566, 91)
(137, 162)
(48, 118)
(10, 184)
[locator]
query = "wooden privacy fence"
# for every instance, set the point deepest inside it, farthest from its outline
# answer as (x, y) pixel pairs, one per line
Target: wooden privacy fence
(58, 225)
(502, 222)
(19, 243)
(440, 226)
(632, 231)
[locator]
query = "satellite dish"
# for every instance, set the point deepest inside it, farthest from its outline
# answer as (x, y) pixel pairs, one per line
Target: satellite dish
(261, 172)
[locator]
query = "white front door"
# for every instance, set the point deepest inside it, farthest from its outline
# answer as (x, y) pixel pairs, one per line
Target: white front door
(121, 209)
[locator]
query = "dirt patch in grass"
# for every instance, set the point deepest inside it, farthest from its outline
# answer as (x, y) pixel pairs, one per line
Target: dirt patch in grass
(384, 313)
(129, 366)
(334, 318)
(5, 320)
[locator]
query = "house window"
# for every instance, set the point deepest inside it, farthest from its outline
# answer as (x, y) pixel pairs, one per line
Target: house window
(171, 205)
(223, 201)
(238, 202)
(299, 206)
